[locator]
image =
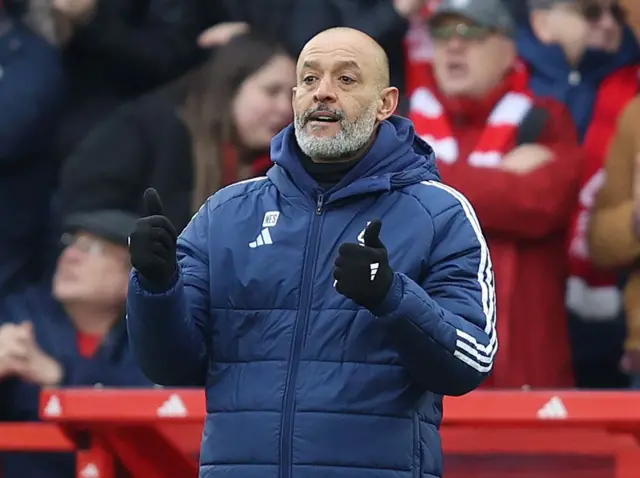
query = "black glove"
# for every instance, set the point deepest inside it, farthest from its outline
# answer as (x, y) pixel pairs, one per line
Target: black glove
(362, 273)
(152, 245)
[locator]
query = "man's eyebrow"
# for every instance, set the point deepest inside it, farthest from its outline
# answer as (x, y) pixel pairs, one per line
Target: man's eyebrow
(348, 64)
(313, 65)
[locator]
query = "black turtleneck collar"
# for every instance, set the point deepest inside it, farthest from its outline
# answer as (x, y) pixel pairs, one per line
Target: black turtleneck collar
(327, 174)
(330, 173)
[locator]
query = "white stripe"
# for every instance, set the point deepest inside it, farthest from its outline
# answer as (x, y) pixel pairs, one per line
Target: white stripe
(446, 149)
(485, 159)
(425, 103)
(468, 349)
(266, 235)
(250, 180)
(245, 181)
(472, 363)
(473, 351)
(485, 268)
(511, 110)
(488, 350)
(591, 303)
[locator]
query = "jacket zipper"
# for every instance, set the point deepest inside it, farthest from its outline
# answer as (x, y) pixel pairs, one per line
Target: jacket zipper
(302, 317)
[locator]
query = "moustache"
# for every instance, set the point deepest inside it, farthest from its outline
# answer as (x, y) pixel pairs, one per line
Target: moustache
(307, 115)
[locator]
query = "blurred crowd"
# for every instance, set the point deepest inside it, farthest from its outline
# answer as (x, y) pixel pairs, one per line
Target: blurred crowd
(532, 110)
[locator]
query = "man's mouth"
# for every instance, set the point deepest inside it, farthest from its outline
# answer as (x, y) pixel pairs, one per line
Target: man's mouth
(456, 68)
(324, 117)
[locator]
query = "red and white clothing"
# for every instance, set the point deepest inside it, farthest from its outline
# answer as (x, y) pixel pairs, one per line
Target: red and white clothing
(525, 217)
(593, 293)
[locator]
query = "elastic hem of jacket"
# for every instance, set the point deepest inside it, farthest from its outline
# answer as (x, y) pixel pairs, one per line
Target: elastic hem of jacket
(143, 285)
(392, 300)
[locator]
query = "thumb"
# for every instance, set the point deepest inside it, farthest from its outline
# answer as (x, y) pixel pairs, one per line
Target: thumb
(152, 202)
(372, 235)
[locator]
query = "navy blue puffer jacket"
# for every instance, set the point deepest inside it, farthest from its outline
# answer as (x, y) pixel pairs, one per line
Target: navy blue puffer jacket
(301, 382)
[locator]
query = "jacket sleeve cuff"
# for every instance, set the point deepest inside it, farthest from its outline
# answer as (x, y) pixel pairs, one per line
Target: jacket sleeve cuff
(392, 299)
(143, 286)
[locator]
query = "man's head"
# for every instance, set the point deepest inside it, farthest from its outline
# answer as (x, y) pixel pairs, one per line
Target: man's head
(473, 46)
(342, 94)
(578, 24)
(93, 268)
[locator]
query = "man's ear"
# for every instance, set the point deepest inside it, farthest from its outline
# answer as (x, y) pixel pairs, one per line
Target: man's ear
(388, 103)
(294, 90)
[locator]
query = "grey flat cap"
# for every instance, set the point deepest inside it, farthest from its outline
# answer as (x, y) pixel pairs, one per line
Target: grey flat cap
(111, 225)
(486, 13)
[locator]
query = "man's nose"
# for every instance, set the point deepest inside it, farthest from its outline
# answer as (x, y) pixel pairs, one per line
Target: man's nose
(325, 92)
(456, 44)
(72, 254)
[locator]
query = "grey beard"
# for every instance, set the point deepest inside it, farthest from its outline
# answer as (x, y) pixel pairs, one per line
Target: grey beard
(352, 137)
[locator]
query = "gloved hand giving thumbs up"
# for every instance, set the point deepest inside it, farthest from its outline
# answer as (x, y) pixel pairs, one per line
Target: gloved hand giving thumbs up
(362, 272)
(152, 245)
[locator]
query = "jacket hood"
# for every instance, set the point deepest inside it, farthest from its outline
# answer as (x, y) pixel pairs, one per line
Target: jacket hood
(397, 158)
(549, 60)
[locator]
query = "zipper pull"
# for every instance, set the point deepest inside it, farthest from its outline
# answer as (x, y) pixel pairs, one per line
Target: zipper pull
(319, 204)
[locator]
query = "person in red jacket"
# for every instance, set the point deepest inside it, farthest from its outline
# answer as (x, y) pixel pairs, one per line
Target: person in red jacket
(516, 157)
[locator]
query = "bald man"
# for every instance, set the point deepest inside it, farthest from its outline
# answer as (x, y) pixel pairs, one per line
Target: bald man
(327, 307)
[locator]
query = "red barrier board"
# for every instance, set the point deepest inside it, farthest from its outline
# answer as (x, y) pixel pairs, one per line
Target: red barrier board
(497, 434)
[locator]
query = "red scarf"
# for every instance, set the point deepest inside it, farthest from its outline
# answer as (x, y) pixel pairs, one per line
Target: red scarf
(230, 166)
(261, 165)
(431, 123)
(592, 293)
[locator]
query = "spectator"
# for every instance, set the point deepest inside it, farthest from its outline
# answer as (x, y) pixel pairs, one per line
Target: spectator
(614, 232)
(294, 22)
(418, 44)
(212, 128)
(581, 53)
(516, 158)
(68, 330)
(116, 50)
(32, 88)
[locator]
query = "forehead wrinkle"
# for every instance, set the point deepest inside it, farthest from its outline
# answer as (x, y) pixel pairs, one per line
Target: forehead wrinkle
(312, 64)
(311, 53)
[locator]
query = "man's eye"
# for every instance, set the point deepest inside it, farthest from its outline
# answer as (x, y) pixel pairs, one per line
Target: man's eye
(347, 80)
(308, 79)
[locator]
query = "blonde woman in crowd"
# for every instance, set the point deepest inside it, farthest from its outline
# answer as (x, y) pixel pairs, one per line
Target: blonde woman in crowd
(211, 128)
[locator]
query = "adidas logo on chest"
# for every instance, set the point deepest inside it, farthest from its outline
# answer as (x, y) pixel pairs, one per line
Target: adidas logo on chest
(264, 238)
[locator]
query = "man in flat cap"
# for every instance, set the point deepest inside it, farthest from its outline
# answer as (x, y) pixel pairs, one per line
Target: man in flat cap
(516, 157)
(67, 330)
